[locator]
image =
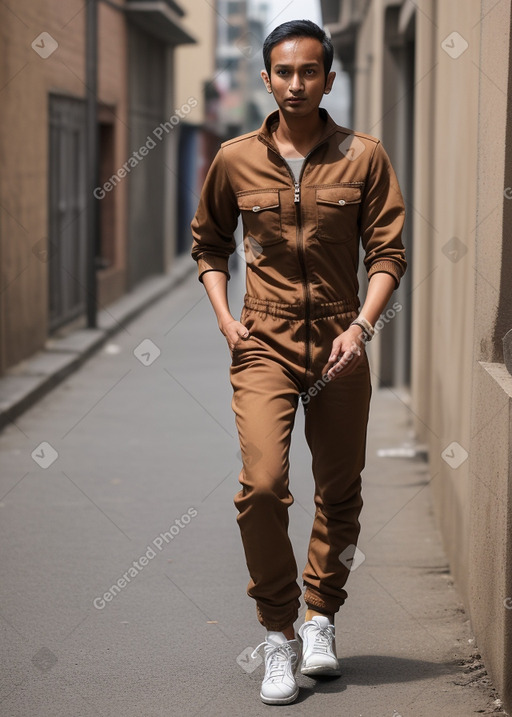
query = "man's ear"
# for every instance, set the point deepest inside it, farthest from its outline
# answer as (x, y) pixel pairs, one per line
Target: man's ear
(330, 80)
(266, 80)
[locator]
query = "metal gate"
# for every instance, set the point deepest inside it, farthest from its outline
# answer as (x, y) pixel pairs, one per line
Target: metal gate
(67, 216)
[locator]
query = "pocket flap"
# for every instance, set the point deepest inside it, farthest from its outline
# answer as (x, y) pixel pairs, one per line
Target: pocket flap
(258, 201)
(338, 195)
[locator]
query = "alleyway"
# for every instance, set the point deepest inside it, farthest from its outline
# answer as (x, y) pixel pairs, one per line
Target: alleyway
(123, 578)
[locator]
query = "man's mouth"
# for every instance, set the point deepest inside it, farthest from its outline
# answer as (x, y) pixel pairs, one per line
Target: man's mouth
(295, 100)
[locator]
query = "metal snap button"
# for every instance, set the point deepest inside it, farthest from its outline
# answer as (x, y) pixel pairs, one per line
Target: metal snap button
(342, 202)
(256, 208)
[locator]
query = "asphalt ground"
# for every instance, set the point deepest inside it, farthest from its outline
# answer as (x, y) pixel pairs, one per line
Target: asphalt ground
(123, 579)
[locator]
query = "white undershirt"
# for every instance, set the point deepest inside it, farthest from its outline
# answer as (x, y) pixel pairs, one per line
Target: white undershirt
(295, 164)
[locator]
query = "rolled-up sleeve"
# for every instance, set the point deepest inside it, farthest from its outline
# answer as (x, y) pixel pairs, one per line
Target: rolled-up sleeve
(382, 219)
(215, 221)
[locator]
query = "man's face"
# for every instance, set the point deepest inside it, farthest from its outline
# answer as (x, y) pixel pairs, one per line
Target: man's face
(297, 77)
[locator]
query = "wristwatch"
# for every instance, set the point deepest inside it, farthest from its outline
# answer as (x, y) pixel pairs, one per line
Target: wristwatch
(367, 328)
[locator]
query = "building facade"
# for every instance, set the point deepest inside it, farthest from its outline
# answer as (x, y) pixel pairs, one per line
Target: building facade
(44, 198)
(433, 80)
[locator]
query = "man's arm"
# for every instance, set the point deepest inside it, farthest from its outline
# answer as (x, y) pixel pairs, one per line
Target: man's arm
(381, 228)
(213, 229)
(216, 285)
(215, 221)
(347, 348)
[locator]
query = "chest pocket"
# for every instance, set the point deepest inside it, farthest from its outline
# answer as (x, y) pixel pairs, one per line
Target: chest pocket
(338, 208)
(261, 214)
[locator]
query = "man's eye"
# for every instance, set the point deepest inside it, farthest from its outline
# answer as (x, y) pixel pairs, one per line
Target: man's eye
(281, 72)
(310, 72)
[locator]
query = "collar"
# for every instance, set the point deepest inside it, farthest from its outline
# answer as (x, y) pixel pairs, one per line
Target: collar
(270, 122)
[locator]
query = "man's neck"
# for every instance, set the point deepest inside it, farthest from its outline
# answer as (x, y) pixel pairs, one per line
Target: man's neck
(296, 136)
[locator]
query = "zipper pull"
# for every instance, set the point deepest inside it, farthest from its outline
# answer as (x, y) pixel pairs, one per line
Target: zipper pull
(296, 198)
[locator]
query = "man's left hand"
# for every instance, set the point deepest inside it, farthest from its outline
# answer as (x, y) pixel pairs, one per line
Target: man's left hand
(346, 354)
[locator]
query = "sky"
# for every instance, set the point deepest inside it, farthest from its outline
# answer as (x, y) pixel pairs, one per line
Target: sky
(284, 10)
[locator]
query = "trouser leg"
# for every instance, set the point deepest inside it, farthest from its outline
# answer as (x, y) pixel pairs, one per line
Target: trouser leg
(265, 400)
(335, 425)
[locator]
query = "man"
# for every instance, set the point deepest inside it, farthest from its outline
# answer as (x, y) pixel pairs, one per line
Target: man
(308, 191)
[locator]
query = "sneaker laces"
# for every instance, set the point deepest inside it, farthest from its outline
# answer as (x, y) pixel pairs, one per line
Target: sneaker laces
(276, 658)
(324, 637)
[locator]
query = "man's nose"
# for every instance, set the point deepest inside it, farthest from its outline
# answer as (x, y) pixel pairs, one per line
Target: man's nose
(296, 83)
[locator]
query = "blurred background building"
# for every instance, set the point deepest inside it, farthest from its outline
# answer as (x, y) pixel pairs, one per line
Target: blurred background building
(433, 80)
(173, 82)
(44, 198)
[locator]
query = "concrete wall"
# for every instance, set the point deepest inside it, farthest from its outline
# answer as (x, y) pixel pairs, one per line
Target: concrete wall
(445, 222)
(490, 499)
(460, 216)
(462, 405)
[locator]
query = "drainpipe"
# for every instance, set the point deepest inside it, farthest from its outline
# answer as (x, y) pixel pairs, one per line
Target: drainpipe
(92, 155)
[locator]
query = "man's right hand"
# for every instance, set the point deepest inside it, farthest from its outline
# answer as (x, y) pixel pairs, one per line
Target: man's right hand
(234, 332)
(216, 284)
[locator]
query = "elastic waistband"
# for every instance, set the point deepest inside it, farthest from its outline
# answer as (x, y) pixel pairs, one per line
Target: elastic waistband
(318, 310)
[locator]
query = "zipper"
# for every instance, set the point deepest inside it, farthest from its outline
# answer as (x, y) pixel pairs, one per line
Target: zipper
(302, 261)
(300, 247)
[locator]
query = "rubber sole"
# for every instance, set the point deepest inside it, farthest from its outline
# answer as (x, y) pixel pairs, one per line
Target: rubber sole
(320, 671)
(282, 701)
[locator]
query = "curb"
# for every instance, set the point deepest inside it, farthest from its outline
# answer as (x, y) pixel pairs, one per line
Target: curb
(27, 382)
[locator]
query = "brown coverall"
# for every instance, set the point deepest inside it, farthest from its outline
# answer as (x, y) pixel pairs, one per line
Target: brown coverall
(302, 249)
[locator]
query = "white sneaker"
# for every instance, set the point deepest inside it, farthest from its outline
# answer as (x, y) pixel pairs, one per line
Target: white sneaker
(319, 648)
(281, 660)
